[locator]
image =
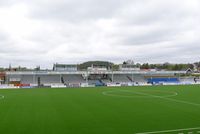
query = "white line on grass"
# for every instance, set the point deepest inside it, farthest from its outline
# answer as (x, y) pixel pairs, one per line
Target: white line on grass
(166, 96)
(168, 131)
(155, 96)
(170, 99)
(1, 96)
(110, 93)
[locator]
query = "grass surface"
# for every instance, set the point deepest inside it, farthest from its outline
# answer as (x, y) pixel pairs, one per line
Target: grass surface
(102, 110)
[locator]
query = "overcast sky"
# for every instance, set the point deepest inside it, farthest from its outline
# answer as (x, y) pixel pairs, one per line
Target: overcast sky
(43, 32)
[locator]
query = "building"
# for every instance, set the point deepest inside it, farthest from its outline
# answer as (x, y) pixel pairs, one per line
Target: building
(2, 77)
(128, 67)
(65, 67)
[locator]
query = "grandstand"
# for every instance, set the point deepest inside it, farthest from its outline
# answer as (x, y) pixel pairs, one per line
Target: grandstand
(28, 79)
(94, 74)
(91, 77)
(162, 80)
(73, 78)
(49, 79)
(139, 78)
(187, 80)
(121, 78)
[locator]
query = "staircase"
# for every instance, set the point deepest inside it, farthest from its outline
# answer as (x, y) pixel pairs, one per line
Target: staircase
(129, 78)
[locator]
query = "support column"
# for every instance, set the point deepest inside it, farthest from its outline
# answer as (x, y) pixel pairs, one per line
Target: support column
(132, 76)
(112, 77)
(60, 78)
(86, 77)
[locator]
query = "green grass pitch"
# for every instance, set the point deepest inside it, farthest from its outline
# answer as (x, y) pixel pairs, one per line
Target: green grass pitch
(101, 110)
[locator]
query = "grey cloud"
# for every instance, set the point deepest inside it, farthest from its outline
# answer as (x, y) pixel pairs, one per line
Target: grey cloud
(77, 11)
(149, 37)
(3, 36)
(6, 3)
(73, 31)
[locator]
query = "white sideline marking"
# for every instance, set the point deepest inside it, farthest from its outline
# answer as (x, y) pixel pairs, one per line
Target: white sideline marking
(1, 96)
(167, 131)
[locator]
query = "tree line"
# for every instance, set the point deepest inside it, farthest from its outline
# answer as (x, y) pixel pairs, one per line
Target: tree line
(115, 67)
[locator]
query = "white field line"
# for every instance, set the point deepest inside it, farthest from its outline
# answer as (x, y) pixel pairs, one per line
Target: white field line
(172, 93)
(155, 96)
(109, 93)
(1, 96)
(168, 131)
(170, 99)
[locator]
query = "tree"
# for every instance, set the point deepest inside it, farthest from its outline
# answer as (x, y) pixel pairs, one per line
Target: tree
(145, 66)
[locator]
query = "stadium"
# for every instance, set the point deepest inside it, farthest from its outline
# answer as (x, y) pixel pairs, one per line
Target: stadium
(99, 67)
(99, 100)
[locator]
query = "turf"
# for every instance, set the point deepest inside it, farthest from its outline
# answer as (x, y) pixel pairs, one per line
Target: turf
(101, 110)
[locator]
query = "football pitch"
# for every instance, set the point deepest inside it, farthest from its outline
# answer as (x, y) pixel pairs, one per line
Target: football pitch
(101, 110)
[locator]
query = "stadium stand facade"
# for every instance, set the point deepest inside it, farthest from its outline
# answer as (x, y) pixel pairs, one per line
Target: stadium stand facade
(162, 80)
(91, 78)
(98, 74)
